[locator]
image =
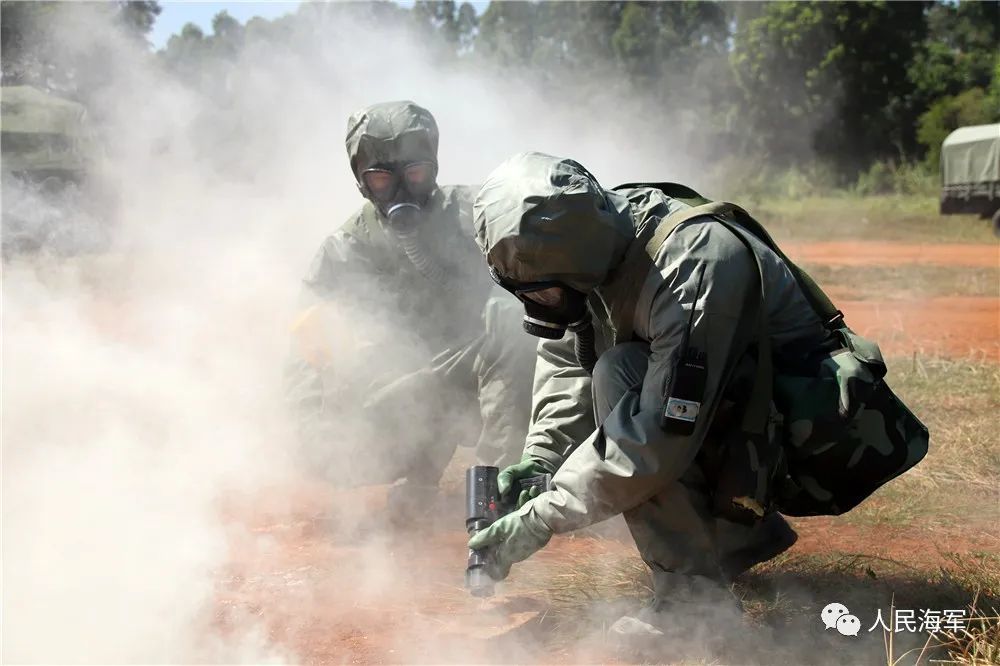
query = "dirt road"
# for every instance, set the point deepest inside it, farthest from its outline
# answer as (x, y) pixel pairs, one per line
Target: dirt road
(885, 253)
(954, 326)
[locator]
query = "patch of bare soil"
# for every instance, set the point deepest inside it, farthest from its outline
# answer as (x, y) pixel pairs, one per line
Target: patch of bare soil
(957, 326)
(887, 253)
(911, 545)
(962, 326)
(330, 588)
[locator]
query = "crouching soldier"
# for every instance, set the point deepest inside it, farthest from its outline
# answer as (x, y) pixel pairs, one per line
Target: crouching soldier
(654, 408)
(437, 340)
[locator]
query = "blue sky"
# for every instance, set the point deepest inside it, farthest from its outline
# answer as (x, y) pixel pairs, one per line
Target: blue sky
(175, 14)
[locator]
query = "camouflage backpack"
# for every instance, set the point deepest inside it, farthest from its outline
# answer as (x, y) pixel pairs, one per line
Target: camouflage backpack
(845, 432)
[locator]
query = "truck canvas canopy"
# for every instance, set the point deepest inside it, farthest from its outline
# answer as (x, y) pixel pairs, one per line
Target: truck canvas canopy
(41, 132)
(971, 156)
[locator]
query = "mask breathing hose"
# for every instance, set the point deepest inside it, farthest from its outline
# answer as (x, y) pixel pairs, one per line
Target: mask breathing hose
(585, 344)
(403, 222)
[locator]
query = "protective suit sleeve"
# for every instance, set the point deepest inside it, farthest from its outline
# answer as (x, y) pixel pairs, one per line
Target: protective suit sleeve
(562, 413)
(630, 457)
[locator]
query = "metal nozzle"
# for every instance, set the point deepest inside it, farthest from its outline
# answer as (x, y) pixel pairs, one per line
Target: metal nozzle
(479, 582)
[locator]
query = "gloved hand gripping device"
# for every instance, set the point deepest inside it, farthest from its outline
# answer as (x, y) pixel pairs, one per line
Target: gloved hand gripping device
(484, 506)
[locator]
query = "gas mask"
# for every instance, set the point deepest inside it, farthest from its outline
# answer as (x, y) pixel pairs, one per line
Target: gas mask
(400, 190)
(550, 309)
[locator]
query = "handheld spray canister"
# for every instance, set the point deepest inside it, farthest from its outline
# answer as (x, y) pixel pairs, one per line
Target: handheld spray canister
(483, 507)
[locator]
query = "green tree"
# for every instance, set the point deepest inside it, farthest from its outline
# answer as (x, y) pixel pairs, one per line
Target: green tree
(23, 35)
(137, 17)
(829, 80)
(227, 36)
(507, 33)
(447, 27)
(972, 107)
(962, 42)
(656, 40)
(35, 52)
(185, 53)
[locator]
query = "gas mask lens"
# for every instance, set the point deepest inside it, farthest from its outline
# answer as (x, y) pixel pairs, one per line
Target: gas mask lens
(419, 177)
(383, 183)
(549, 297)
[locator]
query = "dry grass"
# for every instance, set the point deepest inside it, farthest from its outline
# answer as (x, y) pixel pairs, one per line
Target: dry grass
(847, 217)
(959, 402)
(782, 599)
(978, 644)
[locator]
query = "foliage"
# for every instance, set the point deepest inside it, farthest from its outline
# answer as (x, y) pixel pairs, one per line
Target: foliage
(960, 50)
(841, 67)
(888, 177)
(972, 107)
(828, 93)
(27, 41)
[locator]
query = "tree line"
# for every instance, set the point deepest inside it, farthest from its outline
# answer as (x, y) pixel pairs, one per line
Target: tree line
(846, 85)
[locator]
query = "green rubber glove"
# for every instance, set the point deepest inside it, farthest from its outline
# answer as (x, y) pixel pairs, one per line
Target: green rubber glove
(515, 537)
(527, 468)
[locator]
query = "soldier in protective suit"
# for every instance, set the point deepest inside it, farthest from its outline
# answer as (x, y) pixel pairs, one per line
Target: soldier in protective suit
(558, 241)
(446, 336)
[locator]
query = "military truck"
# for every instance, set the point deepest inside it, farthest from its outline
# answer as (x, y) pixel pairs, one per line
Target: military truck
(970, 172)
(46, 155)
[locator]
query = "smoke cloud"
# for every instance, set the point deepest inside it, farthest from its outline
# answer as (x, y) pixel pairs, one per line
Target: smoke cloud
(142, 400)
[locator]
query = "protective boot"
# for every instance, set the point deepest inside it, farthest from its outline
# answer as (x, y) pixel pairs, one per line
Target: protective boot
(768, 539)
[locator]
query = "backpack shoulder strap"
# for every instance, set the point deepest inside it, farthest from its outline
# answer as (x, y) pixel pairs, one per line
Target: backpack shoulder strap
(756, 416)
(625, 286)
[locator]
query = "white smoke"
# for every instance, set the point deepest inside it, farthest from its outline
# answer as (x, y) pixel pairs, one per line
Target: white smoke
(141, 385)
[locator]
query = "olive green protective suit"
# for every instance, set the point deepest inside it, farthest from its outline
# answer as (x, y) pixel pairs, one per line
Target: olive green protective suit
(542, 218)
(447, 337)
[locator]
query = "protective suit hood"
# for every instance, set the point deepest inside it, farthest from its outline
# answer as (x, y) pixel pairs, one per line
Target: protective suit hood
(541, 218)
(391, 132)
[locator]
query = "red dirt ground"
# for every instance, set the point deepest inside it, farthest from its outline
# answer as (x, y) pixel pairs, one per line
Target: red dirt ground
(398, 597)
(324, 598)
(886, 253)
(957, 326)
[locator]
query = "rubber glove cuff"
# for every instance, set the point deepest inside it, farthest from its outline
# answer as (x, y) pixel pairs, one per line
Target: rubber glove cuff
(515, 537)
